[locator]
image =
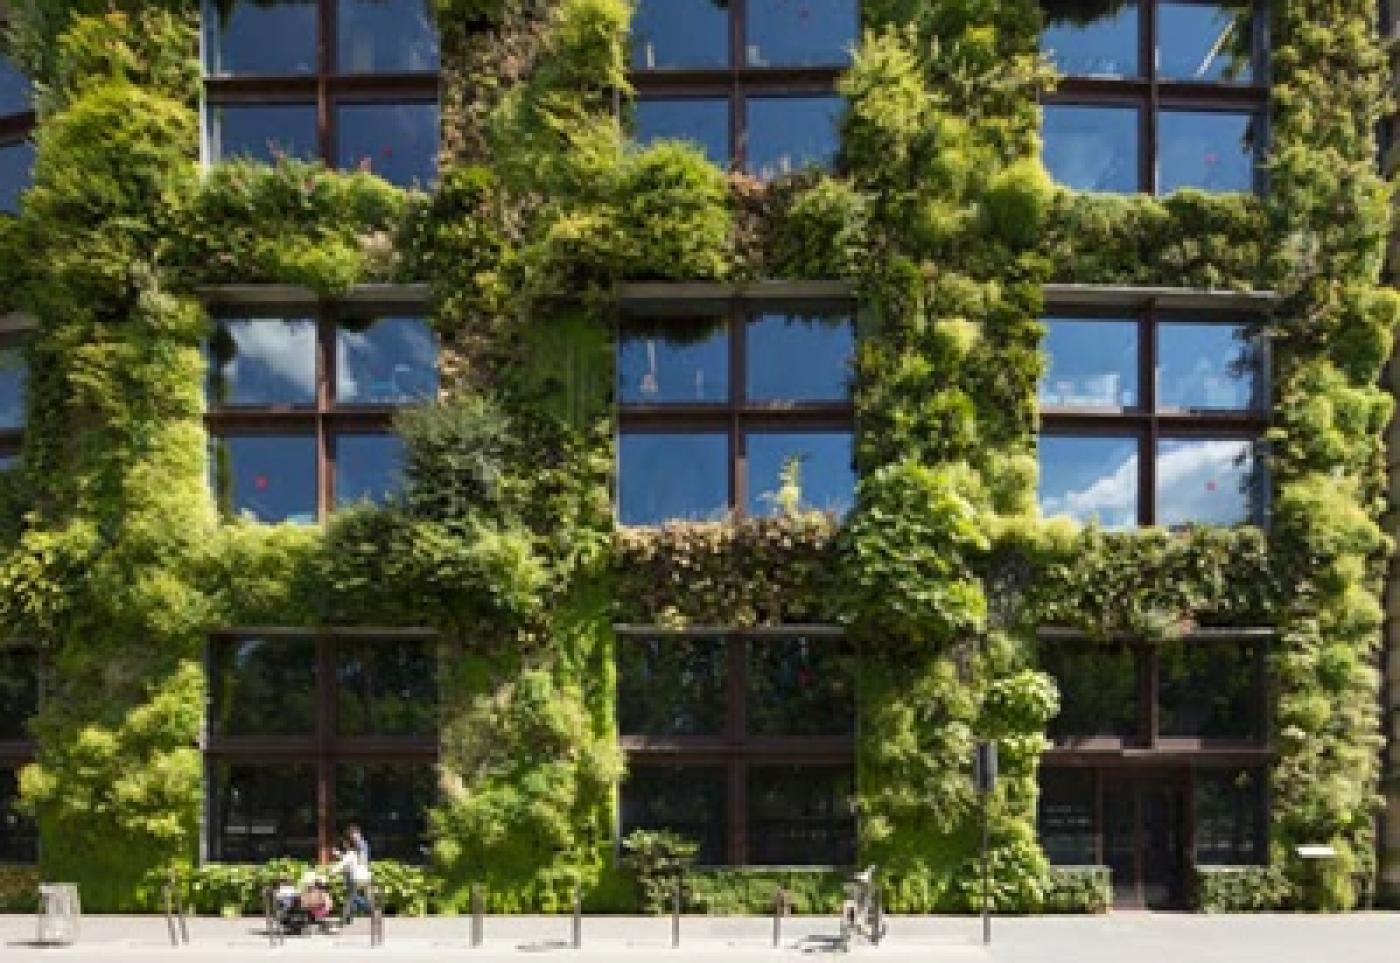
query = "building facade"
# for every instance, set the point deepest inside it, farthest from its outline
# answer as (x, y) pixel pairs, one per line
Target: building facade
(515, 426)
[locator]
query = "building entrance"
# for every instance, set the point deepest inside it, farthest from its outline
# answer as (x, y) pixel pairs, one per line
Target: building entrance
(1145, 838)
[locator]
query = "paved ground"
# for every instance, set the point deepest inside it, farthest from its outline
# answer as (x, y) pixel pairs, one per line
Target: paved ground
(1117, 938)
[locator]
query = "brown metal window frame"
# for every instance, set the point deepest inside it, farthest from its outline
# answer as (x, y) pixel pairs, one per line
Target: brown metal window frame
(738, 416)
(1152, 94)
(737, 82)
(733, 750)
(1147, 422)
(324, 748)
(327, 89)
(326, 420)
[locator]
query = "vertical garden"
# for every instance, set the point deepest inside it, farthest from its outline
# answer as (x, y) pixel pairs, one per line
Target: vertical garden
(946, 228)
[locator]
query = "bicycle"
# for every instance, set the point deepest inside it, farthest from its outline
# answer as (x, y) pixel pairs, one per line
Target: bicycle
(861, 913)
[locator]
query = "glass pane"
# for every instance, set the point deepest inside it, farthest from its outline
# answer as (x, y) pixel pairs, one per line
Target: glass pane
(1098, 691)
(262, 687)
(687, 800)
(257, 37)
(703, 122)
(1092, 364)
(16, 173)
(368, 468)
(389, 801)
(1207, 482)
(386, 361)
(1092, 148)
(1065, 817)
(794, 357)
(19, 691)
(386, 687)
(791, 134)
(680, 33)
(1090, 478)
(1209, 150)
(801, 816)
(683, 360)
(262, 361)
(1207, 366)
(19, 837)
(385, 36)
(671, 685)
(664, 477)
(826, 476)
(1101, 44)
(800, 33)
(266, 478)
(14, 374)
(262, 812)
(1205, 41)
(262, 132)
(801, 686)
(16, 93)
(1230, 817)
(399, 142)
(1209, 690)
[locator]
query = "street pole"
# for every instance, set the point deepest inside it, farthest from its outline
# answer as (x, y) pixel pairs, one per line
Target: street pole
(984, 778)
(986, 876)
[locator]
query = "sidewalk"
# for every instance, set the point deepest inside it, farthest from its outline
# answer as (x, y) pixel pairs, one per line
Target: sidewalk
(1116, 938)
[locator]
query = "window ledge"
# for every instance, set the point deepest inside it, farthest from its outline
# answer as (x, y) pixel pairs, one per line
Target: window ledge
(1109, 295)
(720, 291)
(241, 294)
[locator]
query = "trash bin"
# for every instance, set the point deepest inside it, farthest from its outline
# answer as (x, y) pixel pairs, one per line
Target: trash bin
(59, 912)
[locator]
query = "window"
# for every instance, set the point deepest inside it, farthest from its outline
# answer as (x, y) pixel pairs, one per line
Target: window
(752, 83)
(300, 409)
(1153, 419)
(1231, 817)
(19, 701)
(353, 82)
(1156, 95)
(1065, 817)
(743, 743)
(723, 408)
(16, 123)
(14, 376)
(1100, 692)
(293, 719)
(19, 837)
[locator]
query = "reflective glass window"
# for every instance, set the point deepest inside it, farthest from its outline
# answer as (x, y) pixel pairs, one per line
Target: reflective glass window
(1091, 364)
(262, 132)
(16, 92)
(1231, 817)
(801, 816)
(703, 121)
(1210, 691)
(801, 686)
(257, 37)
(16, 173)
(399, 142)
(386, 687)
(1103, 45)
(19, 837)
(1065, 816)
(680, 33)
(1212, 150)
(791, 134)
(385, 361)
(800, 33)
(672, 685)
(389, 801)
(1098, 686)
(1207, 482)
(263, 812)
(1090, 478)
(262, 687)
(14, 374)
(368, 468)
(266, 478)
(19, 692)
(794, 357)
(667, 476)
(676, 360)
(1205, 41)
(385, 36)
(262, 361)
(1207, 366)
(687, 800)
(826, 477)
(1092, 148)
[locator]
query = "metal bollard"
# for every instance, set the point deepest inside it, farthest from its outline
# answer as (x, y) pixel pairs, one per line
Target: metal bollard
(376, 919)
(676, 916)
(478, 917)
(779, 908)
(578, 917)
(274, 928)
(170, 914)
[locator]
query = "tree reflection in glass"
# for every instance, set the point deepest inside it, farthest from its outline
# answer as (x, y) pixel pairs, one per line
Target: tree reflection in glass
(1098, 686)
(1097, 42)
(823, 463)
(262, 687)
(1204, 366)
(672, 685)
(389, 801)
(263, 812)
(673, 360)
(801, 815)
(1209, 481)
(687, 800)
(801, 686)
(1205, 41)
(386, 687)
(1209, 690)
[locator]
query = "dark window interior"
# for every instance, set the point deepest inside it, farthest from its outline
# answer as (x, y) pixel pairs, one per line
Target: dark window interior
(687, 800)
(1065, 816)
(263, 812)
(1099, 691)
(801, 815)
(19, 837)
(389, 801)
(672, 685)
(386, 687)
(1231, 817)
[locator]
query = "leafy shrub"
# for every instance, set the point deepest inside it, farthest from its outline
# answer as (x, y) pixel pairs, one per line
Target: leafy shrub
(236, 889)
(1238, 889)
(657, 858)
(1079, 889)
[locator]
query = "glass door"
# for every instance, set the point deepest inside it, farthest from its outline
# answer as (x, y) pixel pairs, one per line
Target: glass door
(1144, 838)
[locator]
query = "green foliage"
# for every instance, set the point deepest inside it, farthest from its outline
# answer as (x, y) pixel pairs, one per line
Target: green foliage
(1238, 889)
(236, 889)
(659, 860)
(1079, 889)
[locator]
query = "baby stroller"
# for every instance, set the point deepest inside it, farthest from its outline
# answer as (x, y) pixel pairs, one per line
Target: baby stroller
(307, 909)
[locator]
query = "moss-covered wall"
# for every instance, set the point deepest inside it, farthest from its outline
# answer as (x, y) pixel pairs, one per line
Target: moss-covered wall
(944, 223)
